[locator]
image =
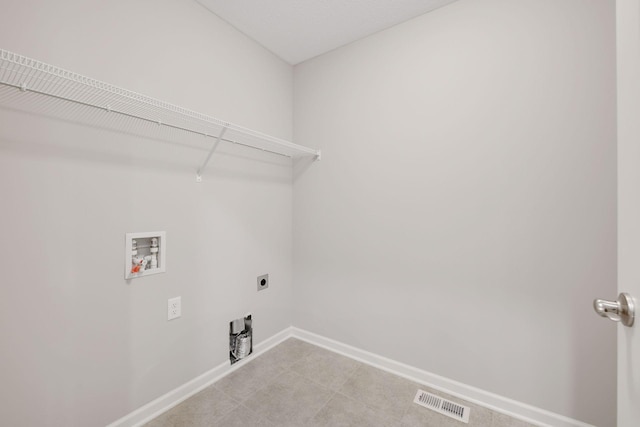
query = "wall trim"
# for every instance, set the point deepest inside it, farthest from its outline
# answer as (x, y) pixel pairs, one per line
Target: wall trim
(512, 408)
(181, 393)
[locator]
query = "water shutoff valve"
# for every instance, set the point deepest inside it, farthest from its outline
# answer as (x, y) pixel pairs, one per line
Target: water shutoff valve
(145, 254)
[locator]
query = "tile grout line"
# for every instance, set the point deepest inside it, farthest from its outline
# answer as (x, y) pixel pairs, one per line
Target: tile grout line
(321, 408)
(335, 391)
(239, 403)
(285, 366)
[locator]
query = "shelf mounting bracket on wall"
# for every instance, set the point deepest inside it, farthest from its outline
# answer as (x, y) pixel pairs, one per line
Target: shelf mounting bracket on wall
(213, 149)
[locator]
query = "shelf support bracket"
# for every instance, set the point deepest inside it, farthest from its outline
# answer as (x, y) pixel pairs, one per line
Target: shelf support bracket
(213, 149)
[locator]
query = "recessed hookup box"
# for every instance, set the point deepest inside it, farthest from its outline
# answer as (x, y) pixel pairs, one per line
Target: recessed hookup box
(240, 338)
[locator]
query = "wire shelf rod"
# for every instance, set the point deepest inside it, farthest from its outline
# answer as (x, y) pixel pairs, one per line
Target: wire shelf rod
(27, 74)
(169, 125)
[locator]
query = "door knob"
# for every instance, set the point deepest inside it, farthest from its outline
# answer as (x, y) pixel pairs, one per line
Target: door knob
(621, 310)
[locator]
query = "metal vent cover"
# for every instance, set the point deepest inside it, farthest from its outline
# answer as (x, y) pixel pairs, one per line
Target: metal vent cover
(442, 406)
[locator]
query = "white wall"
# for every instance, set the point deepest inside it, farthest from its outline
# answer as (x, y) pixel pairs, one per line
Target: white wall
(462, 220)
(80, 345)
(464, 215)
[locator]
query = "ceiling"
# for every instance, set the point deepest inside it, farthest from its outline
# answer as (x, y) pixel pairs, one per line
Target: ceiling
(297, 30)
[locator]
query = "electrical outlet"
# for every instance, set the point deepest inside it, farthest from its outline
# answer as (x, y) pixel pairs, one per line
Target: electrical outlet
(175, 308)
(263, 282)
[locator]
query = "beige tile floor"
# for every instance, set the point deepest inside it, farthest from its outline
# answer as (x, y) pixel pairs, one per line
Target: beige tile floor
(298, 384)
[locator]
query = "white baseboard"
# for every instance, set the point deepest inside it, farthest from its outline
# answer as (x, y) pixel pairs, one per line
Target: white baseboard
(162, 404)
(512, 408)
(497, 403)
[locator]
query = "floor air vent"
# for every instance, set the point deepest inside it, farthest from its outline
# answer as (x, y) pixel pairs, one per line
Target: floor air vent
(442, 406)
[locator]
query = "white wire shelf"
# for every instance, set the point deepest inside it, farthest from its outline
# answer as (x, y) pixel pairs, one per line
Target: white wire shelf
(29, 75)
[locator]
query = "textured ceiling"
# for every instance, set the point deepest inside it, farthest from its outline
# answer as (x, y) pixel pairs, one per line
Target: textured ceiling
(297, 30)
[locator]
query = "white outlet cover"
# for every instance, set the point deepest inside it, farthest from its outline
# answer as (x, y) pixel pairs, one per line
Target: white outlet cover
(174, 307)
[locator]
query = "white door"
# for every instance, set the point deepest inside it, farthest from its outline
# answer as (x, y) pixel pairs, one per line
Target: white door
(628, 63)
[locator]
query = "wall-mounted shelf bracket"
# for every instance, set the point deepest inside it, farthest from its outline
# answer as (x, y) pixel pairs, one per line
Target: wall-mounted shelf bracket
(213, 149)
